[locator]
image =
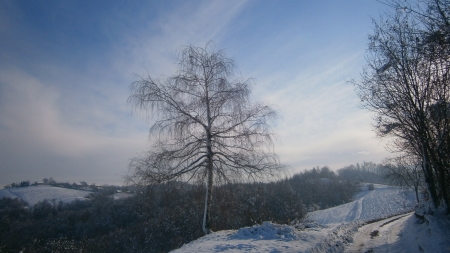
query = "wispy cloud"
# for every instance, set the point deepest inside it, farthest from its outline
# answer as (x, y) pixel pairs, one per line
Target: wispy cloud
(321, 123)
(154, 46)
(64, 113)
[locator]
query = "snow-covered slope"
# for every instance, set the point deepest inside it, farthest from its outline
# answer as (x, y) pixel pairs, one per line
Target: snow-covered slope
(329, 230)
(34, 194)
(383, 201)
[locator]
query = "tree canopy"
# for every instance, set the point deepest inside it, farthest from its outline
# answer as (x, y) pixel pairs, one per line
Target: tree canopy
(207, 128)
(406, 84)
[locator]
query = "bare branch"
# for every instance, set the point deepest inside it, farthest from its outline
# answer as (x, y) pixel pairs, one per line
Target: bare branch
(207, 127)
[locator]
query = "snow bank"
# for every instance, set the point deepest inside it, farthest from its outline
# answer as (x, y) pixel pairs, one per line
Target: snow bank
(337, 239)
(429, 231)
(270, 237)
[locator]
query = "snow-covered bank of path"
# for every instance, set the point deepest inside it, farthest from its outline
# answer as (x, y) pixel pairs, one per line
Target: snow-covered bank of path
(270, 237)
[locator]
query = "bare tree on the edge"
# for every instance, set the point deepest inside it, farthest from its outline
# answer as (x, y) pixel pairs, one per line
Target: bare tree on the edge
(208, 129)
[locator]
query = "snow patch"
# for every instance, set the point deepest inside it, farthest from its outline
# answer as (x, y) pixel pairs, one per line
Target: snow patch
(266, 231)
(34, 194)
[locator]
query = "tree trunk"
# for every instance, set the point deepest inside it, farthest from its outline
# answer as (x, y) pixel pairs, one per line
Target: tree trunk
(443, 187)
(416, 190)
(208, 198)
(429, 177)
(209, 154)
(441, 172)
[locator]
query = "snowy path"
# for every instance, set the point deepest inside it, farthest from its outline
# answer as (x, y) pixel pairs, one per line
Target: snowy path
(379, 237)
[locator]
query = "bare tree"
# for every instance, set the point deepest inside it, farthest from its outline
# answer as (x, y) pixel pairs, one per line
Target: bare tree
(405, 80)
(207, 130)
(405, 171)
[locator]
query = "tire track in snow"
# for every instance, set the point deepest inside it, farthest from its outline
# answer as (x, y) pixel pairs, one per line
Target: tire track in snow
(356, 211)
(380, 237)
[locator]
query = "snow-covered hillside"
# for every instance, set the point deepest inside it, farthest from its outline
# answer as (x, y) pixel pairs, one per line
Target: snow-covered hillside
(34, 194)
(383, 201)
(332, 230)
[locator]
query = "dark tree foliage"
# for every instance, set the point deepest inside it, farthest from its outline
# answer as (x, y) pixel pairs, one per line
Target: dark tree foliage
(368, 172)
(322, 188)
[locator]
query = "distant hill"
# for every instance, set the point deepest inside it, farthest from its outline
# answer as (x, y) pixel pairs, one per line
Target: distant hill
(33, 194)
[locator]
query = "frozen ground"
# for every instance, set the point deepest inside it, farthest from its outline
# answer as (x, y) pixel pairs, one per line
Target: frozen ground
(34, 194)
(341, 229)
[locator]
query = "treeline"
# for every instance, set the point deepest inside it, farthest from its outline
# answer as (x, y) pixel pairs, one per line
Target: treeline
(163, 217)
(368, 172)
(25, 183)
(77, 186)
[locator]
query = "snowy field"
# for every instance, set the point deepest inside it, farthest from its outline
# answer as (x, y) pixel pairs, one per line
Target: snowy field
(34, 194)
(340, 229)
(384, 201)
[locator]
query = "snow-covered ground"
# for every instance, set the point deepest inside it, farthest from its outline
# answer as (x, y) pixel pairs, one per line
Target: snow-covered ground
(34, 194)
(384, 201)
(340, 229)
(270, 237)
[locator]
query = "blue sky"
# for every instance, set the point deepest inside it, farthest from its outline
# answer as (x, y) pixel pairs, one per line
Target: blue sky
(66, 67)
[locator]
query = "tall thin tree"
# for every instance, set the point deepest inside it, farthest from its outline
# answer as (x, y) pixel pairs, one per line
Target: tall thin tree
(207, 129)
